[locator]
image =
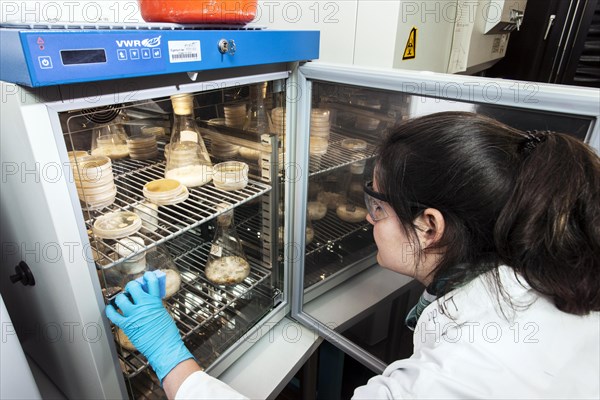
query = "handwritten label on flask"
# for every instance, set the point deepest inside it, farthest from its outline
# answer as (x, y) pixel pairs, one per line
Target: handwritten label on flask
(189, 136)
(216, 250)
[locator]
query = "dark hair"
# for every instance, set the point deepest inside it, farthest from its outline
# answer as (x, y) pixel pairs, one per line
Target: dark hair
(530, 201)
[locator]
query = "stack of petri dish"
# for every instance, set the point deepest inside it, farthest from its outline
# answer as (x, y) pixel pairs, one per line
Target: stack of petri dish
(357, 146)
(165, 192)
(157, 131)
(368, 123)
(219, 147)
(278, 118)
(223, 149)
(230, 175)
(235, 115)
(320, 128)
(94, 181)
(76, 154)
(142, 147)
(318, 148)
(319, 122)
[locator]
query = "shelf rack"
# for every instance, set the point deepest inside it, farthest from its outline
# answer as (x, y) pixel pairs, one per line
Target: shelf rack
(201, 206)
(337, 156)
(202, 309)
(331, 229)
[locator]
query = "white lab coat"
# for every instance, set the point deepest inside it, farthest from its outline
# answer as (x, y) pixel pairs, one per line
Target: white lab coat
(472, 344)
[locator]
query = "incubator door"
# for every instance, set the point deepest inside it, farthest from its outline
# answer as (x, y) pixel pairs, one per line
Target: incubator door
(342, 292)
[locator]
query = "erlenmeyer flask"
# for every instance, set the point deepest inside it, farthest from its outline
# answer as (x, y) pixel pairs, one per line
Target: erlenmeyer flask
(110, 141)
(159, 258)
(258, 118)
(135, 266)
(227, 263)
(187, 158)
(156, 258)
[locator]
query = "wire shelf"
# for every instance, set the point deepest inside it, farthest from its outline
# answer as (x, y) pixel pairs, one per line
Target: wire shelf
(130, 176)
(332, 229)
(338, 156)
(202, 309)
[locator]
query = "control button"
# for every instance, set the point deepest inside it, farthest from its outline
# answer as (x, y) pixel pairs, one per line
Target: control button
(45, 62)
(146, 53)
(122, 54)
(156, 53)
(134, 54)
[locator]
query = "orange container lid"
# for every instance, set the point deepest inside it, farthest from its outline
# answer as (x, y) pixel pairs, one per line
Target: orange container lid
(199, 11)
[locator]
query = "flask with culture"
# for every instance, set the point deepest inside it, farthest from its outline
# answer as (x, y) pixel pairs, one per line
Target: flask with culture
(187, 158)
(258, 118)
(227, 263)
(110, 140)
(156, 258)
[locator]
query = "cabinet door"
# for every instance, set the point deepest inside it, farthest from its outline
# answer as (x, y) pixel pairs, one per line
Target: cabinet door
(340, 291)
(59, 319)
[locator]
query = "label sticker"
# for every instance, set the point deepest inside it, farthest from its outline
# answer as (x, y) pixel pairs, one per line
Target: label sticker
(410, 51)
(184, 51)
(216, 250)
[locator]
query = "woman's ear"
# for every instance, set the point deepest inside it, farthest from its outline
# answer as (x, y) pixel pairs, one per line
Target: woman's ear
(430, 227)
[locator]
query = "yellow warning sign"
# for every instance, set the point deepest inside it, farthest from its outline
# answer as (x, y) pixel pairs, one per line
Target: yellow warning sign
(410, 51)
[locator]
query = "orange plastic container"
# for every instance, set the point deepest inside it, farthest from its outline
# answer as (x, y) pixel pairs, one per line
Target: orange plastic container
(199, 11)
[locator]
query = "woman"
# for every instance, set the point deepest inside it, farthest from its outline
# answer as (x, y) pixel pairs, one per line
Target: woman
(502, 226)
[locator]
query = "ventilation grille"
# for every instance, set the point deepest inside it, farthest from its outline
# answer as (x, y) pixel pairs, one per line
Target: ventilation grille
(588, 67)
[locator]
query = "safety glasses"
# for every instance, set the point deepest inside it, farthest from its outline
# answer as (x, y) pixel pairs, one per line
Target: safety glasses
(373, 201)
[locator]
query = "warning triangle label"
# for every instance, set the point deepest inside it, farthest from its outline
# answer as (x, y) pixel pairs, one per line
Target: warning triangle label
(410, 51)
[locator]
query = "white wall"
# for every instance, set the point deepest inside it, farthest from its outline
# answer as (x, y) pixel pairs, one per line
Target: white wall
(15, 375)
(360, 32)
(335, 19)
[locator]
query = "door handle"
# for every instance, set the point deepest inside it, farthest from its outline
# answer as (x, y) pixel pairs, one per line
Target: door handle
(23, 274)
(550, 24)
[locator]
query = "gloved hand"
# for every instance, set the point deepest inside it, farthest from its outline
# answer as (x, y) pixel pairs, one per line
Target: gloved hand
(149, 326)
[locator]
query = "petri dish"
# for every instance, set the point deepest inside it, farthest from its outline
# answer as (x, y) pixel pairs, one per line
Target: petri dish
(117, 224)
(319, 114)
(354, 144)
(318, 146)
(181, 197)
(76, 154)
(162, 189)
(230, 175)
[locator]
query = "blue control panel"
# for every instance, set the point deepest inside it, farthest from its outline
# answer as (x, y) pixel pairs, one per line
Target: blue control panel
(53, 56)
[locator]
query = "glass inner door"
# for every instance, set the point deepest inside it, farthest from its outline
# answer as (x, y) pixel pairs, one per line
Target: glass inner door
(227, 147)
(347, 124)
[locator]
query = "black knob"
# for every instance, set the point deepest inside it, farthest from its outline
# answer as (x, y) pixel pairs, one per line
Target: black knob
(23, 274)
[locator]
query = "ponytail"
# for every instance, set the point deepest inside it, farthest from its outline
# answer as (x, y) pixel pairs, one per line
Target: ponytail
(549, 228)
(529, 201)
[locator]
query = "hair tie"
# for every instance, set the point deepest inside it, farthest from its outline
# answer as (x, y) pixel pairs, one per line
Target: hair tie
(532, 139)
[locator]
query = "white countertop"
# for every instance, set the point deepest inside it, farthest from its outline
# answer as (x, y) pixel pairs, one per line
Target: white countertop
(264, 370)
(356, 295)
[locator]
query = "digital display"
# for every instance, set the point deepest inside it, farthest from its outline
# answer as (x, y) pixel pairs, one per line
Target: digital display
(88, 56)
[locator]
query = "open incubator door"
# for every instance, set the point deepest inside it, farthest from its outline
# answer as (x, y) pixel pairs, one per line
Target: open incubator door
(339, 290)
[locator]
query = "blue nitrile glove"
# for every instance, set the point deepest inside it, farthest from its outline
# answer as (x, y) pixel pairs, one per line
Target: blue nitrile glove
(149, 326)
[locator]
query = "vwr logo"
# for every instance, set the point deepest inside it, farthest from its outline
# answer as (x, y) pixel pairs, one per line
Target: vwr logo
(154, 42)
